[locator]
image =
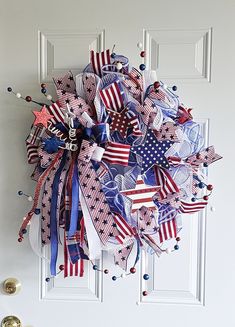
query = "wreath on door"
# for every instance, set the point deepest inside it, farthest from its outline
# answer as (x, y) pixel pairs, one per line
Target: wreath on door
(118, 161)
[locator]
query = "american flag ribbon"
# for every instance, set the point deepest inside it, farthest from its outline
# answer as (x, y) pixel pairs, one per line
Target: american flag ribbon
(141, 195)
(167, 230)
(159, 94)
(102, 170)
(193, 207)
(175, 161)
(134, 83)
(32, 153)
(207, 156)
(55, 110)
(145, 110)
(98, 60)
(117, 153)
(91, 189)
(65, 83)
(113, 97)
(125, 230)
(121, 256)
(71, 269)
(164, 179)
(77, 105)
(147, 220)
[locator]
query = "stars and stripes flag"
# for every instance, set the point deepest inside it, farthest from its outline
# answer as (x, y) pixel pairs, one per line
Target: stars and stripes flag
(117, 153)
(113, 97)
(99, 59)
(164, 179)
(124, 229)
(55, 110)
(167, 230)
(141, 195)
(193, 207)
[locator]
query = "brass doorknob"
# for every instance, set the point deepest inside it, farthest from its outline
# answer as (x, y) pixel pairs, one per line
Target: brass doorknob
(11, 321)
(11, 286)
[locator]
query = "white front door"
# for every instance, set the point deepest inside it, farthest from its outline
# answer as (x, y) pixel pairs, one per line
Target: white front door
(190, 44)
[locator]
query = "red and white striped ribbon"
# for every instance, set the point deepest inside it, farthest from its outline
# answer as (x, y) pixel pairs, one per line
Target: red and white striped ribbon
(125, 230)
(193, 207)
(164, 179)
(117, 153)
(112, 97)
(167, 230)
(55, 110)
(98, 60)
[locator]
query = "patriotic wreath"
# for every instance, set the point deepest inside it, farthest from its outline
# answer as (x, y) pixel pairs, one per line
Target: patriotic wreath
(118, 160)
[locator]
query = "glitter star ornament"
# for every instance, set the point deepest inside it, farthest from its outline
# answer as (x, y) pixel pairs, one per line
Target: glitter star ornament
(42, 117)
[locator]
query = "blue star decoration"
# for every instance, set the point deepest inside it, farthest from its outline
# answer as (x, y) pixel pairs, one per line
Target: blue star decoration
(152, 152)
(51, 145)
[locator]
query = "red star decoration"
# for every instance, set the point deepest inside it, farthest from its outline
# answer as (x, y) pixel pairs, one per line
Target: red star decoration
(42, 117)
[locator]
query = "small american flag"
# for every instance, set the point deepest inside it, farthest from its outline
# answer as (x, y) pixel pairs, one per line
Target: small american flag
(98, 60)
(112, 96)
(193, 207)
(117, 153)
(164, 179)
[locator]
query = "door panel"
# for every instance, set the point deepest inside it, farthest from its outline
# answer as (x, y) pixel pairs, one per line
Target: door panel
(190, 44)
